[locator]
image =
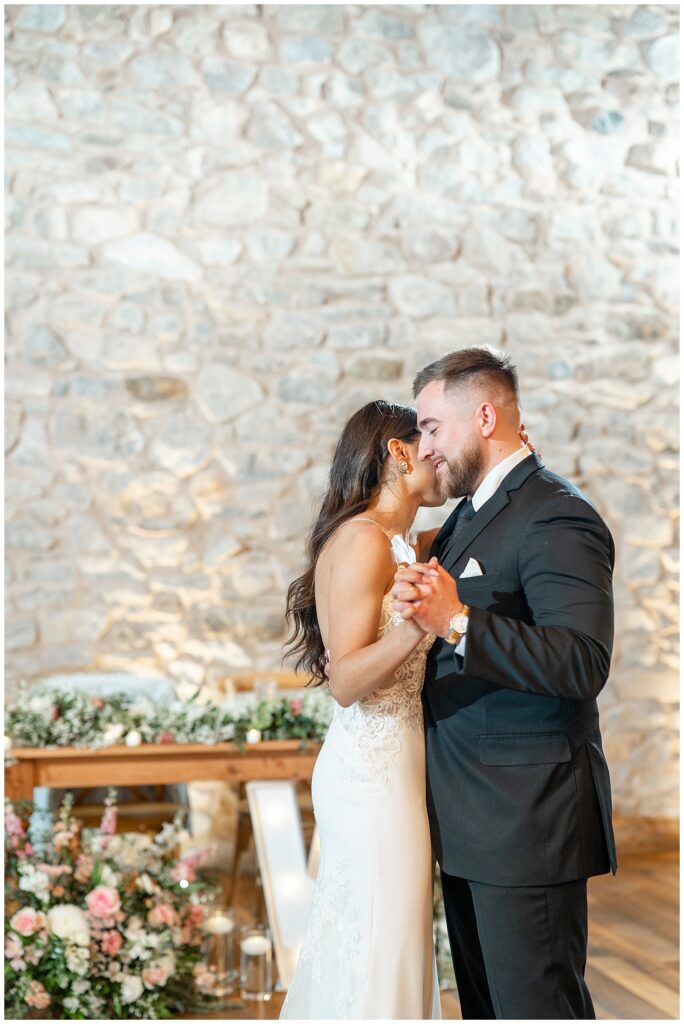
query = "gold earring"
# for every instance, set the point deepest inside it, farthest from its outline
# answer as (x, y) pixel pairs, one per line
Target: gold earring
(403, 466)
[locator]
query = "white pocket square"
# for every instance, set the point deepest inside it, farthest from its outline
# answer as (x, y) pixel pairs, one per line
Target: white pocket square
(473, 568)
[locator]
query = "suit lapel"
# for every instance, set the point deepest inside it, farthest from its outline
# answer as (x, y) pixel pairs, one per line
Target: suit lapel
(488, 512)
(445, 532)
(482, 518)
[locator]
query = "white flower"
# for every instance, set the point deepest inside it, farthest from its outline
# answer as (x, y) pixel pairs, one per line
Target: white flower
(143, 707)
(135, 926)
(36, 882)
(125, 849)
(113, 733)
(133, 739)
(69, 922)
(108, 876)
(78, 959)
(41, 703)
(146, 884)
(80, 986)
(131, 988)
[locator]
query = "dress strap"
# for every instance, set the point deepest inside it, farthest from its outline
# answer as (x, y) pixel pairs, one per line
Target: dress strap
(362, 519)
(365, 519)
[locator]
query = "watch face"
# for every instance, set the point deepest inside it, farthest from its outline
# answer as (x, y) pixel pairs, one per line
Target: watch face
(459, 623)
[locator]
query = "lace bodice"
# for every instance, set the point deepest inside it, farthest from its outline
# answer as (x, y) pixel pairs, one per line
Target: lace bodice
(369, 730)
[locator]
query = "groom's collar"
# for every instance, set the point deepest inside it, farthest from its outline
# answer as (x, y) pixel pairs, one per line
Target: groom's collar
(497, 474)
(514, 479)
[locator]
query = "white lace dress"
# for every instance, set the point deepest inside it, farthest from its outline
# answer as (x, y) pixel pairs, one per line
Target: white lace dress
(368, 952)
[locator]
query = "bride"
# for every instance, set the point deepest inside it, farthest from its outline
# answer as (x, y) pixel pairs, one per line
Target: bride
(368, 951)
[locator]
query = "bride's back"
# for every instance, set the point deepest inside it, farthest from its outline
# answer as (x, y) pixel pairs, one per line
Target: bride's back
(358, 537)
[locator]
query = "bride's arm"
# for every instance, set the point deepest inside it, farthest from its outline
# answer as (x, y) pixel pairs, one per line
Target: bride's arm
(424, 540)
(360, 663)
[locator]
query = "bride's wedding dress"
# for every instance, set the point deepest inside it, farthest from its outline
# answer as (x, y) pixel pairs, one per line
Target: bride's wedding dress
(368, 949)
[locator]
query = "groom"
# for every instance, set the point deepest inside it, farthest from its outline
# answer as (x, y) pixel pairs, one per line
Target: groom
(519, 591)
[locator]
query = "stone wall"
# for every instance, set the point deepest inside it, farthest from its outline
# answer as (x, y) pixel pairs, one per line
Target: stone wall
(229, 227)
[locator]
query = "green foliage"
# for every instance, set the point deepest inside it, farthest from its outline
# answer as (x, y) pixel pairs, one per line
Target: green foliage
(69, 718)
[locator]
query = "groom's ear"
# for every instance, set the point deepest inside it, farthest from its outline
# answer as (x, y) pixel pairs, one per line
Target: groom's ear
(487, 417)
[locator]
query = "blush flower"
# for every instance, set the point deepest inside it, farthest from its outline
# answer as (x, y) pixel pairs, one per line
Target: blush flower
(27, 921)
(37, 996)
(162, 914)
(111, 943)
(155, 974)
(103, 901)
(13, 947)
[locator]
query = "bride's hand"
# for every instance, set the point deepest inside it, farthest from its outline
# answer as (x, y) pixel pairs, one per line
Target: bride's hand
(411, 588)
(525, 439)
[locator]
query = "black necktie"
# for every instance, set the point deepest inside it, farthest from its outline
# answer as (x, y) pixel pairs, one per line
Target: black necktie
(465, 515)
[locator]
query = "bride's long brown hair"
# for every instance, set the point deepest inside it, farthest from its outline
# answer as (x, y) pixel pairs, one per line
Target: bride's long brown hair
(355, 477)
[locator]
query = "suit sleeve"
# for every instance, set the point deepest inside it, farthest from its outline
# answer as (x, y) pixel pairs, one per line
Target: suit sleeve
(565, 563)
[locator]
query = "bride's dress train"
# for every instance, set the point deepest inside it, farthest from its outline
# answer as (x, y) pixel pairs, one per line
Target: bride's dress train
(368, 948)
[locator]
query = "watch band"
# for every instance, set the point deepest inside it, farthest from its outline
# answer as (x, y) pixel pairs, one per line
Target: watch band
(457, 630)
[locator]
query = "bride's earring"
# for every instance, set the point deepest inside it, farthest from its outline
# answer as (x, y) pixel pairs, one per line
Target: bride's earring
(403, 466)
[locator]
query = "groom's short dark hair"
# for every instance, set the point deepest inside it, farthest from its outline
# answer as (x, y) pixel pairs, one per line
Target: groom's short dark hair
(471, 365)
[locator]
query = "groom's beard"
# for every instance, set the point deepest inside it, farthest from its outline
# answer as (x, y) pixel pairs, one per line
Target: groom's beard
(460, 477)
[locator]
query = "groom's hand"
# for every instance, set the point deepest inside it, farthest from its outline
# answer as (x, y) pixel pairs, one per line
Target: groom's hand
(427, 594)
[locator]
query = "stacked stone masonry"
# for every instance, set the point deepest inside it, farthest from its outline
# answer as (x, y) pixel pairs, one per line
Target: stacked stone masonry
(230, 226)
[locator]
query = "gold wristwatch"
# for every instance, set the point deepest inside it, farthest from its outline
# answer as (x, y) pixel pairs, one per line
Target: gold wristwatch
(458, 626)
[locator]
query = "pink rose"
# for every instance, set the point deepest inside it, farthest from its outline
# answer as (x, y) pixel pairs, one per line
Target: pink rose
(27, 921)
(103, 901)
(37, 996)
(97, 702)
(155, 975)
(111, 943)
(166, 737)
(296, 707)
(162, 914)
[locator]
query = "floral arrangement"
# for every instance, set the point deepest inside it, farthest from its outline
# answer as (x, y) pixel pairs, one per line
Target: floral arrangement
(99, 926)
(67, 717)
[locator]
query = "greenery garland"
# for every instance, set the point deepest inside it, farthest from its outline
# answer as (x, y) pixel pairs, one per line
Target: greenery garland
(71, 718)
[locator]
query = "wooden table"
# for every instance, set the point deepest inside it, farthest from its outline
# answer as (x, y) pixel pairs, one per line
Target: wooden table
(149, 764)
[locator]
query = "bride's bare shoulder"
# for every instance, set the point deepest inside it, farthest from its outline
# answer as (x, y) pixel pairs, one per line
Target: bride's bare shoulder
(357, 543)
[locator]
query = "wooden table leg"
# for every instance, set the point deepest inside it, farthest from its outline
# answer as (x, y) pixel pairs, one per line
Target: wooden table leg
(19, 781)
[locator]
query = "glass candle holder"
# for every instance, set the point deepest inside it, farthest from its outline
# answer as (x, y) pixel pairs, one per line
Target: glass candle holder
(266, 689)
(219, 975)
(256, 981)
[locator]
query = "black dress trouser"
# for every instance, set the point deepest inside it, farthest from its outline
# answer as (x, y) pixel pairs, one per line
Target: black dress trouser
(519, 952)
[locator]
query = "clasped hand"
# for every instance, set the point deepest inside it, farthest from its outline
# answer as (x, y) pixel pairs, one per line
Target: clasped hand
(427, 594)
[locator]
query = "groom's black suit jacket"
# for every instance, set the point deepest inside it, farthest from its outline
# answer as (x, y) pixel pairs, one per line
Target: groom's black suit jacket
(518, 785)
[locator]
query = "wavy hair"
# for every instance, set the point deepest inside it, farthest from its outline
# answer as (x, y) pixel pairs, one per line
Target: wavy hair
(355, 478)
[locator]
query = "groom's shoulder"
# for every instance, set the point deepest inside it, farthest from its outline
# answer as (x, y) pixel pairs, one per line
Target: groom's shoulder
(549, 489)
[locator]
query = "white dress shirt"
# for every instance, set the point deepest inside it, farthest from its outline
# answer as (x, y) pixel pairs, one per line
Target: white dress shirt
(494, 477)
